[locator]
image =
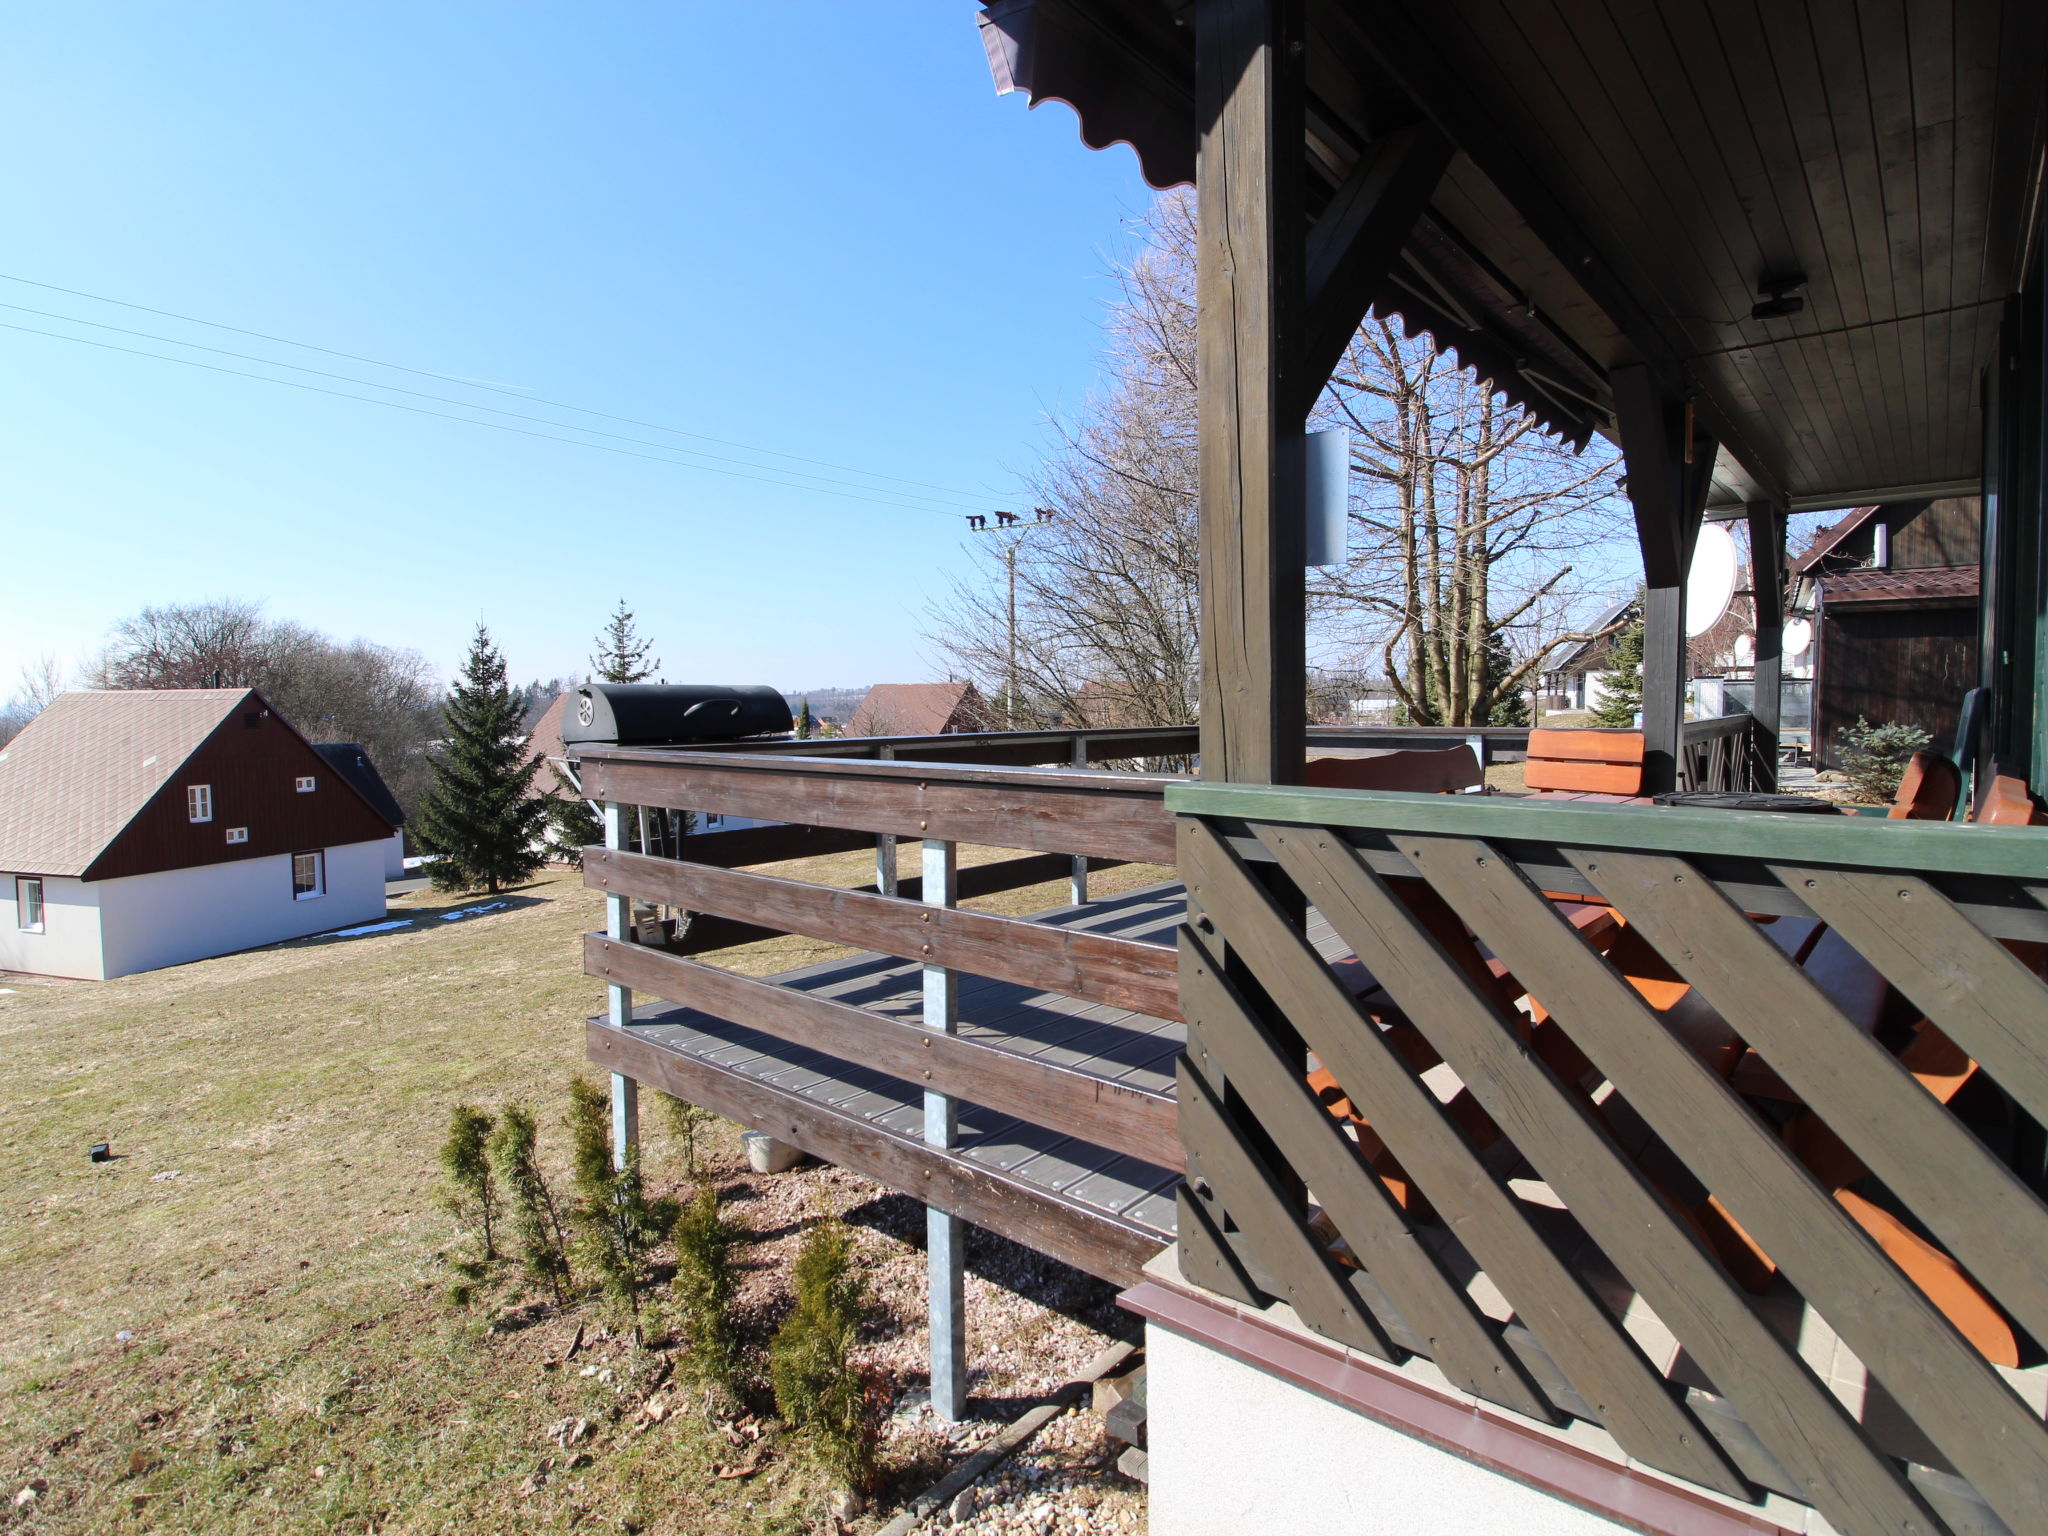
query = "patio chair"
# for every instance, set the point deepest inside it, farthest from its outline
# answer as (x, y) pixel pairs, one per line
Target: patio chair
(2003, 800)
(1928, 790)
(1586, 762)
(1449, 772)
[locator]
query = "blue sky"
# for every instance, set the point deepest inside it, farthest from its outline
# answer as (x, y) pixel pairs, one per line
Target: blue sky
(809, 227)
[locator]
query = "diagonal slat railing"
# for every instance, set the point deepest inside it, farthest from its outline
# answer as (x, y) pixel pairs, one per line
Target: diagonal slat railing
(1756, 1131)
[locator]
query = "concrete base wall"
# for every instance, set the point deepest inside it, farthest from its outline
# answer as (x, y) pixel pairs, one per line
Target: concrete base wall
(1236, 1450)
(69, 944)
(148, 921)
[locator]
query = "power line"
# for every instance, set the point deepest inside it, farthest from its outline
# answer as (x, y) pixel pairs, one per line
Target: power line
(449, 378)
(467, 405)
(495, 426)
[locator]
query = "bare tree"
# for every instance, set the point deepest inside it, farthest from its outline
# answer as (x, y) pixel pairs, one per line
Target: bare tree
(1467, 526)
(1105, 630)
(41, 681)
(384, 698)
(1478, 544)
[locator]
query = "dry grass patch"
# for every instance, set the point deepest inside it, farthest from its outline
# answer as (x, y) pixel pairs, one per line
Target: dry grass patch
(240, 1324)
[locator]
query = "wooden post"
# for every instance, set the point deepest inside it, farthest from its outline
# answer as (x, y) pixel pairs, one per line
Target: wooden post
(945, 1234)
(1767, 587)
(1250, 270)
(1664, 673)
(1670, 465)
(618, 924)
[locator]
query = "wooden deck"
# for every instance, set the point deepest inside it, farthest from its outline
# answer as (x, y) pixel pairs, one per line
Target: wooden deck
(1093, 1207)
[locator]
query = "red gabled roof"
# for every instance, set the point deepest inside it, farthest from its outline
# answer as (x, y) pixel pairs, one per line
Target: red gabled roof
(1923, 584)
(918, 709)
(1825, 541)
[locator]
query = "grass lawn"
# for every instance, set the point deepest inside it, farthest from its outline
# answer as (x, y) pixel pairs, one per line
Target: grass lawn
(240, 1323)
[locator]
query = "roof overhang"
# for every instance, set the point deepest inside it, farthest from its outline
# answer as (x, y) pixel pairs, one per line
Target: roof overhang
(1629, 180)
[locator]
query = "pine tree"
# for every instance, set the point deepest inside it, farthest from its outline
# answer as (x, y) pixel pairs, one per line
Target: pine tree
(1622, 682)
(616, 1222)
(1509, 706)
(806, 722)
(480, 816)
(621, 652)
(543, 1249)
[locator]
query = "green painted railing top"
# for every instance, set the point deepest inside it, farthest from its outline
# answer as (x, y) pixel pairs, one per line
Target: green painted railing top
(1863, 841)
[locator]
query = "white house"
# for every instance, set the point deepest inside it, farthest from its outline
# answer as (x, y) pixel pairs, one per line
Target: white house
(141, 829)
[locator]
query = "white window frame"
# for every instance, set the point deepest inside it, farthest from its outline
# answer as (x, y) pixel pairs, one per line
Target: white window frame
(319, 871)
(306, 783)
(23, 886)
(238, 834)
(198, 802)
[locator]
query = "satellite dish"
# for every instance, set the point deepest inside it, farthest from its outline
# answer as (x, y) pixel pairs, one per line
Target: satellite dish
(1710, 585)
(1745, 650)
(1798, 636)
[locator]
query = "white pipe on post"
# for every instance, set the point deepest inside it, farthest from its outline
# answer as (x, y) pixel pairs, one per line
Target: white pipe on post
(1077, 880)
(945, 1234)
(618, 924)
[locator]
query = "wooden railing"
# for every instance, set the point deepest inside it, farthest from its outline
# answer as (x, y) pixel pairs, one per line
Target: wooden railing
(1080, 747)
(1053, 817)
(1738, 1114)
(1724, 754)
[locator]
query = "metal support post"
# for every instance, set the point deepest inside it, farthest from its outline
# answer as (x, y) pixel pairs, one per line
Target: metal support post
(945, 1234)
(618, 924)
(1077, 882)
(885, 847)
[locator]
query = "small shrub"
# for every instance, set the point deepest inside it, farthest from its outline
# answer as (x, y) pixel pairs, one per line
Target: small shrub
(1874, 758)
(818, 1388)
(465, 1158)
(704, 1290)
(688, 1121)
(536, 1222)
(617, 1225)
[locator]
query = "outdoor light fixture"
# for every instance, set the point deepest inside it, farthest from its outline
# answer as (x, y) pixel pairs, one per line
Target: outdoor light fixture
(1780, 296)
(99, 1152)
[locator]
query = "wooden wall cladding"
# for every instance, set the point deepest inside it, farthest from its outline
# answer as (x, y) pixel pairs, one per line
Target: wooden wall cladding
(1729, 1121)
(253, 769)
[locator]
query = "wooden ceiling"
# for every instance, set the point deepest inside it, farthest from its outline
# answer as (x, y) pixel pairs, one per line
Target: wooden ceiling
(1633, 172)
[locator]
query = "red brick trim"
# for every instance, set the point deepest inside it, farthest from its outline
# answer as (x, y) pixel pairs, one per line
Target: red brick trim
(1636, 1499)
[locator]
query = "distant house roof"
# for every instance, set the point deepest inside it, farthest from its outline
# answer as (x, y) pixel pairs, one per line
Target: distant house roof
(1824, 542)
(1591, 655)
(544, 742)
(1926, 585)
(80, 773)
(919, 709)
(352, 762)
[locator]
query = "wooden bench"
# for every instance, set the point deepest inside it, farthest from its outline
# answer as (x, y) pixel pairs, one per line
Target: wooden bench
(1451, 771)
(1596, 762)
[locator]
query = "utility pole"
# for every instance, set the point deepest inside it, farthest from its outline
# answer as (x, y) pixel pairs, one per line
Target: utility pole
(1010, 523)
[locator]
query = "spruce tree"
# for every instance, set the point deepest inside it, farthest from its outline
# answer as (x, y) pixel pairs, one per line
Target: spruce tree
(1504, 706)
(1622, 682)
(621, 652)
(806, 722)
(481, 816)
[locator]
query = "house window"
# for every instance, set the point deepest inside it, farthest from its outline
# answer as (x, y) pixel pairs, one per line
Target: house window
(199, 802)
(309, 876)
(28, 904)
(238, 834)
(306, 784)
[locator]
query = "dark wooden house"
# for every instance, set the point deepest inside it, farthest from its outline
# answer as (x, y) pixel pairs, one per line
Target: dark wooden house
(1893, 589)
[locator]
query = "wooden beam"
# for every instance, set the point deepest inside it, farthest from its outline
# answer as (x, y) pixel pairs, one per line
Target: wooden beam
(1124, 973)
(769, 845)
(1249, 275)
(1134, 1121)
(1093, 1241)
(1117, 816)
(708, 932)
(1767, 586)
(1354, 242)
